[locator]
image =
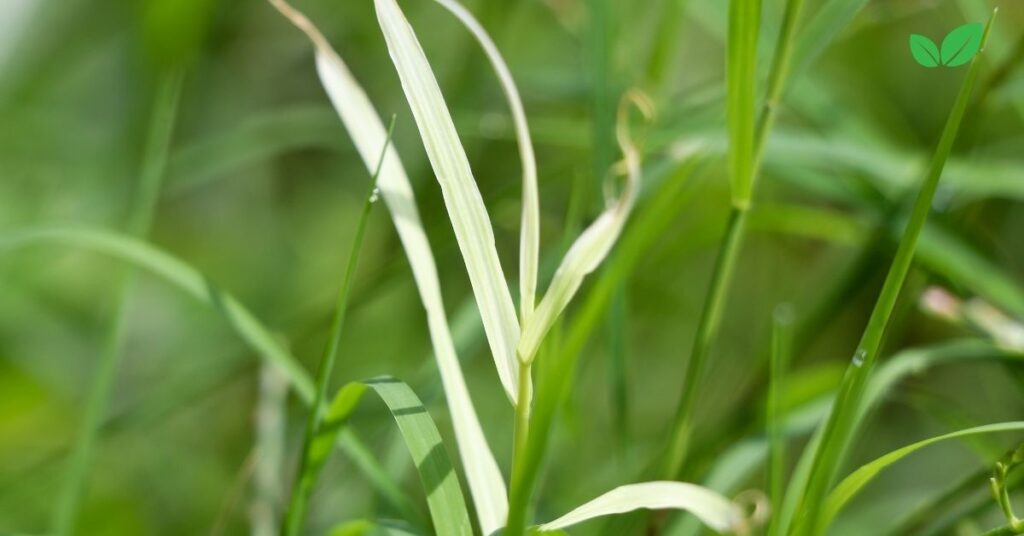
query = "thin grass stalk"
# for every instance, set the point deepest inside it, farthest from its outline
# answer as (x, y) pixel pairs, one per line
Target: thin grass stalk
(840, 427)
(782, 324)
(724, 268)
(298, 503)
(153, 168)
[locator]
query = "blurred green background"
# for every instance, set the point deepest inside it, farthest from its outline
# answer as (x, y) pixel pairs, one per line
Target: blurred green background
(263, 190)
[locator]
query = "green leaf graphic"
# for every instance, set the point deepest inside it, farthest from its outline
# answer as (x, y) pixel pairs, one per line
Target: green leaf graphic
(962, 44)
(924, 50)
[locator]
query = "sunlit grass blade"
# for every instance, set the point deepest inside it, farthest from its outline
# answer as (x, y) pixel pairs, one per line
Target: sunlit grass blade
(529, 244)
(715, 511)
(303, 487)
(190, 281)
(591, 248)
(852, 484)
(462, 197)
(840, 427)
(440, 483)
(364, 125)
(741, 90)
(154, 164)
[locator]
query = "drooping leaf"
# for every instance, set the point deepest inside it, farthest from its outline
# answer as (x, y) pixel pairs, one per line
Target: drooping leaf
(856, 481)
(462, 197)
(924, 51)
(714, 510)
(486, 484)
(960, 45)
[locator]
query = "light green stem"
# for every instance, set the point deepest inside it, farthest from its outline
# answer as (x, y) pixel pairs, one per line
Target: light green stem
(722, 274)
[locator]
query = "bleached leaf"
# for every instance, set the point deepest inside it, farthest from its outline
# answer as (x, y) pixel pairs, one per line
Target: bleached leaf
(593, 245)
(529, 244)
(486, 483)
(714, 510)
(461, 196)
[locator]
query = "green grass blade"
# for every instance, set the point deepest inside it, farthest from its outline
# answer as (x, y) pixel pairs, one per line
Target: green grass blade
(852, 484)
(741, 90)
(353, 106)
(840, 427)
(179, 274)
(154, 164)
(191, 282)
(744, 168)
(304, 485)
(441, 484)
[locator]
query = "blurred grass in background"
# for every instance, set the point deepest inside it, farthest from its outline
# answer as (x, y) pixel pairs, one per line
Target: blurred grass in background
(263, 191)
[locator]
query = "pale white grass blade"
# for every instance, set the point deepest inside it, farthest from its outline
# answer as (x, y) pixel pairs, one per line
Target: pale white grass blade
(529, 244)
(461, 196)
(715, 511)
(594, 244)
(486, 484)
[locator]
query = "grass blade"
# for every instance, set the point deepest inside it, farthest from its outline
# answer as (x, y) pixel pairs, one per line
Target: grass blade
(529, 244)
(741, 88)
(841, 423)
(593, 245)
(462, 197)
(486, 483)
(852, 484)
(240, 319)
(304, 485)
(441, 484)
(554, 384)
(154, 164)
(712, 509)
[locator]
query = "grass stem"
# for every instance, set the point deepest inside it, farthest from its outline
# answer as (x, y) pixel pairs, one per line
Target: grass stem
(724, 268)
(306, 474)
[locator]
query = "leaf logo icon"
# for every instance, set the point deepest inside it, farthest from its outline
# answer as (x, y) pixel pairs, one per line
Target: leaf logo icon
(958, 47)
(924, 51)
